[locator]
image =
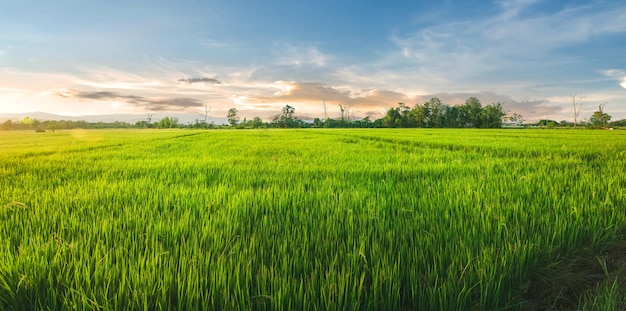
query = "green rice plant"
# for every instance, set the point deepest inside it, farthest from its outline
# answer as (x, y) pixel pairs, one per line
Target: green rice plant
(301, 219)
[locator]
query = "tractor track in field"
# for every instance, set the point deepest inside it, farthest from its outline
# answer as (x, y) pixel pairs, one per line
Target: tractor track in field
(26, 155)
(491, 151)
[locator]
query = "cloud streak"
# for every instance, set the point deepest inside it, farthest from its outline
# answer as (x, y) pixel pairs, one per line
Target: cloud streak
(298, 55)
(516, 39)
(616, 74)
(150, 104)
(200, 81)
(314, 92)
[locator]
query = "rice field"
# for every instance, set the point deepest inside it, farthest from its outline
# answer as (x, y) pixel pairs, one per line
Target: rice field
(312, 219)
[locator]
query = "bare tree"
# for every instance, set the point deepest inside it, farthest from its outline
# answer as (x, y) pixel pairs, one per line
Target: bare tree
(207, 109)
(517, 118)
(578, 103)
(345, 112)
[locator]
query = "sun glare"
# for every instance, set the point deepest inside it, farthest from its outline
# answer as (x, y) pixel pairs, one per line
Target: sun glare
(283, 87)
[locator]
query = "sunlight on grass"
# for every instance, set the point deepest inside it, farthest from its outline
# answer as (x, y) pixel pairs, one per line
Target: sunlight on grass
(288, 219)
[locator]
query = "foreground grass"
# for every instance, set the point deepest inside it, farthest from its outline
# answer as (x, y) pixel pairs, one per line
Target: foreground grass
(309, 219)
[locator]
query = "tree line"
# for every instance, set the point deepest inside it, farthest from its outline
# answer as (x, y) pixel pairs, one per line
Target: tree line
(430, 114)
(434, 114)
(51, 125)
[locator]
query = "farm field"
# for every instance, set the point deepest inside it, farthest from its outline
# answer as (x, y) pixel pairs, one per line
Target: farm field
(387, 219)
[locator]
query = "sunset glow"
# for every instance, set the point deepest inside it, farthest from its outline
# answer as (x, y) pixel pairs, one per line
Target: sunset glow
(84, 58)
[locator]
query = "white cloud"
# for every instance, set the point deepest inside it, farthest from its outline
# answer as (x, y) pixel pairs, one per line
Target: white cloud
(463, 50)
(211, 43)
(288, 54)
(616, 74)
(539, 33)
(10, 89)
(36, 81)
(512, 8)
(111, 78)
(136, 85)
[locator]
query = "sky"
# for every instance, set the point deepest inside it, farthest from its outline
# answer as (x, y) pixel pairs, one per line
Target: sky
(76, 57)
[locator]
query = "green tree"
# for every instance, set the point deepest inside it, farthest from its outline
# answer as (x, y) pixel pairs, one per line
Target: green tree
(404, 111)
(366, 122)
(142, 124)
(494, 114)
(565, 123)
(621, 122)
(547, 123)
(37, 125)
(451, 116)
(257, 122)
(167, 122)
(470, 114)
(599, 117)
(287, 118)
(232, 117)
(7, 125)
(392, 118)
(420, 115)
(330, 123)
(27, 121)
(436, 112)
(317, 122)
(52, 126)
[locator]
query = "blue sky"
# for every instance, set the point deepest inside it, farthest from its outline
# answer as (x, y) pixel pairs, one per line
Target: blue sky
(110, 57)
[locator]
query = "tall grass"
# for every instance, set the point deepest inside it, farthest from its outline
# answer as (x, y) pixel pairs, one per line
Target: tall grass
(299, 219)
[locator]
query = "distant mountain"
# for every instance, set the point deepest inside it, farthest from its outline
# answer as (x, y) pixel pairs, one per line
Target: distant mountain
(42, 116)
(183, 118)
